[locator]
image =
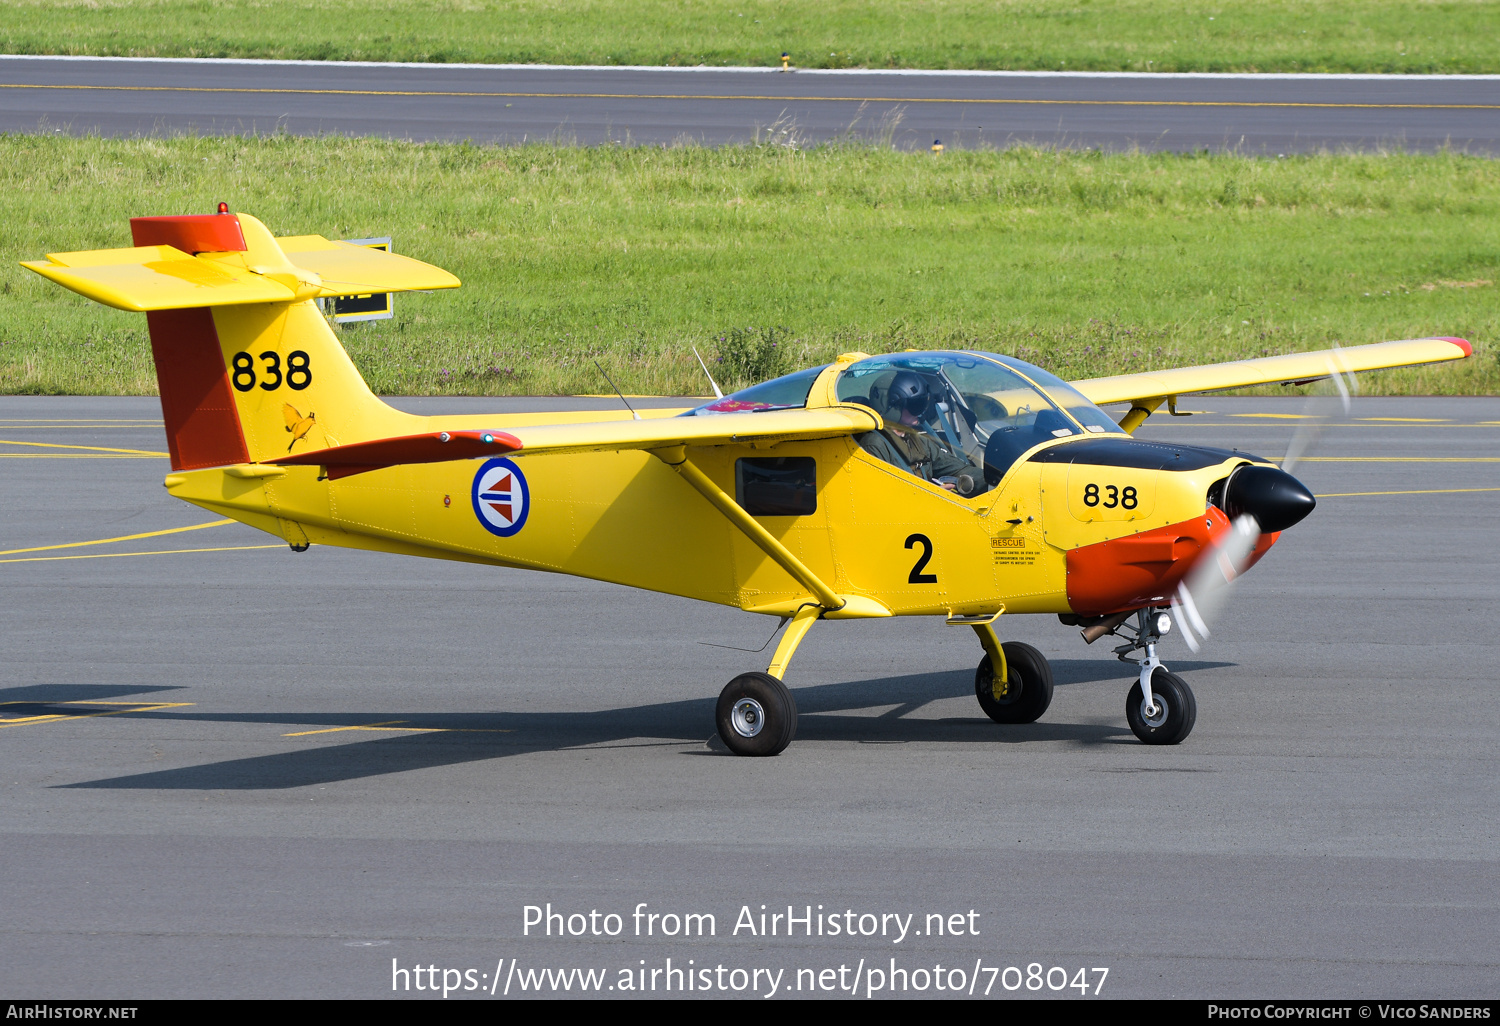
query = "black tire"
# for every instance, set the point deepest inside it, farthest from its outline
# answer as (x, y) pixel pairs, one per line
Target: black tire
(1174, 722)
(1025, 695)
(767, 718)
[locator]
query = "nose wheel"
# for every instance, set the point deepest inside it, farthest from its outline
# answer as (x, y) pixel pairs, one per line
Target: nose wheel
(1171, 713)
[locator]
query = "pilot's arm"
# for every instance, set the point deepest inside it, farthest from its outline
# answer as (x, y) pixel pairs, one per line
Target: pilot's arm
(946, 463)
(917, 452)
(882, 448)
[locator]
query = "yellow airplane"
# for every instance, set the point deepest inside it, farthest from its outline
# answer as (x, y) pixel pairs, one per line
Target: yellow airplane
(965, 485)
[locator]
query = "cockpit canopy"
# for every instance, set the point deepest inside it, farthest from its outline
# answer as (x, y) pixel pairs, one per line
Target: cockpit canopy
(987, 407)
(983, 406)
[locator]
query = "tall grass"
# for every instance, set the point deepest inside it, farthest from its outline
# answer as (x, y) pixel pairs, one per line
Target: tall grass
(1142, 35)
(1085, 263)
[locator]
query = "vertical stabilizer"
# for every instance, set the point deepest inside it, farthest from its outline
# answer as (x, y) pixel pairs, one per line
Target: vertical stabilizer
(247, 366)
(293, 386)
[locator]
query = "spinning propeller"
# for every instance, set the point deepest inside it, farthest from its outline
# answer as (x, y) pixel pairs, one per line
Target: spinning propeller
(1257, 500)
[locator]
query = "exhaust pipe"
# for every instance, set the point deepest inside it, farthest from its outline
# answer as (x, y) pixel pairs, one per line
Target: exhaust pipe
(1099, 630)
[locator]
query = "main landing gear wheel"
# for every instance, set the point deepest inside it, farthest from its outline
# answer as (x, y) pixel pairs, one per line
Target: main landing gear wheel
(756, 715)
(1175, 712)
(1025, 696)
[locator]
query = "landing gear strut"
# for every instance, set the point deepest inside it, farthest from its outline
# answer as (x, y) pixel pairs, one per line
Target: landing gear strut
(1160, 708)
(756, 714)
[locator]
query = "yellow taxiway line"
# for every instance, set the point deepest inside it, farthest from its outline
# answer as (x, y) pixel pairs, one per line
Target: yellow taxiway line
(383, 725)
(1421, 491)
(23, 721)
(393, 725)
(122, 555)
(123, 537)
(94, 448)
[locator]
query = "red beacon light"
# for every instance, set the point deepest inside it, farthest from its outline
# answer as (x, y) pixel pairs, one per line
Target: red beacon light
(223, 208)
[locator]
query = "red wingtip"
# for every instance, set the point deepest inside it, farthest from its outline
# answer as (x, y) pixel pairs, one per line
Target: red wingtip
(1461, 343)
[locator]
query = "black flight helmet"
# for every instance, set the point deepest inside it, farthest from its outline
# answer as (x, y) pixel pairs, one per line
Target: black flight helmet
(908, 392)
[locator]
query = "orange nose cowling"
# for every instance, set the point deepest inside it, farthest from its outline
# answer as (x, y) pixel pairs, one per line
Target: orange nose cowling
(1143, 569)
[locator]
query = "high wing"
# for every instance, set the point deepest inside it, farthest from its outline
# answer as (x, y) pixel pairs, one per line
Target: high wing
(1147, 391)
(765, 428)
(659, 432)
(1159, 386)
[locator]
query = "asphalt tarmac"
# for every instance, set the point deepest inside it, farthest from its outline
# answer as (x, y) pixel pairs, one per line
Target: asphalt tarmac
(1261, 114)
(237, 771)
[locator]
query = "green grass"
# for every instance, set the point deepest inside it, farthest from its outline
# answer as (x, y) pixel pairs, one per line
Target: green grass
(1085, 263)
(1138, 35)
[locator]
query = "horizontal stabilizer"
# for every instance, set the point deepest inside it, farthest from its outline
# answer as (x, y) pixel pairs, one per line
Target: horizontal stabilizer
(1293, 368)
(156, 278)
(165, 277)
(347, 269)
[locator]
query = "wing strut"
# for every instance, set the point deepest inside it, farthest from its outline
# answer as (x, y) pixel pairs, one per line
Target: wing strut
(676, 457)
(1139, 411)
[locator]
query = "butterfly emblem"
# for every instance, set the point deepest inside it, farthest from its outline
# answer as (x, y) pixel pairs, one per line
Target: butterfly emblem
(297, 424)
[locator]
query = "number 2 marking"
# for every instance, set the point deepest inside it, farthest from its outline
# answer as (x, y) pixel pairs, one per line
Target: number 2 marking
(917, 576)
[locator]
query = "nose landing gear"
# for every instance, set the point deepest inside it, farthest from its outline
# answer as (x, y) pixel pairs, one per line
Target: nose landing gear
(1160, 708)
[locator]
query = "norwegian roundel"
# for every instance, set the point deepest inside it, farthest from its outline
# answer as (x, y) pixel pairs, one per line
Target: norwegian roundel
(501, 498)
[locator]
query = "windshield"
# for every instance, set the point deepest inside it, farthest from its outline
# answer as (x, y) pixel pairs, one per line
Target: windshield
(1092, 418)
(977, 406)
(788, 392)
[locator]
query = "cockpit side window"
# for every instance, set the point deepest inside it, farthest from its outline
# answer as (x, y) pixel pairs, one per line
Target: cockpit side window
(976, 408)
(788, 392)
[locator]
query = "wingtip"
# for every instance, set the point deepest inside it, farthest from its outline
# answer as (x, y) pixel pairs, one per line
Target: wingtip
(1461, 343)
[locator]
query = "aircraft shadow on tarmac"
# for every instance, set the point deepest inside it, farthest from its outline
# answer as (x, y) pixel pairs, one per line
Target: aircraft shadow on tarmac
(875, 711)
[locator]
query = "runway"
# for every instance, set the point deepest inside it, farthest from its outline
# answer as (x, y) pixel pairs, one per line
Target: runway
(231, 770)
(1260, 114)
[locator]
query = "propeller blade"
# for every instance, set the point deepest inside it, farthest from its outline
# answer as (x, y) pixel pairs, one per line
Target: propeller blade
(1201, 596)
(1260, 500)
(1335, 402)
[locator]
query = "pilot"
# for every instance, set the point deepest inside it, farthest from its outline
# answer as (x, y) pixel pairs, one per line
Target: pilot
(904, 442)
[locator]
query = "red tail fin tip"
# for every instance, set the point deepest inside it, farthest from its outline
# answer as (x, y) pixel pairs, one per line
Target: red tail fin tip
(191, 233)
